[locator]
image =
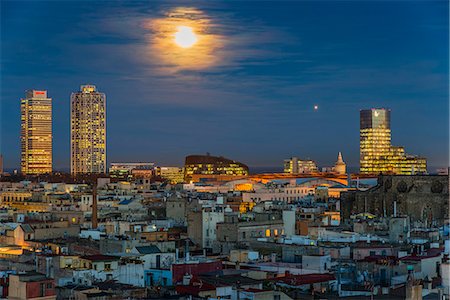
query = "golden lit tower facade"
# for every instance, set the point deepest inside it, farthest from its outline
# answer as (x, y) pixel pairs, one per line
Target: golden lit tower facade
(377, 155)
(88, 131)
(36, 133)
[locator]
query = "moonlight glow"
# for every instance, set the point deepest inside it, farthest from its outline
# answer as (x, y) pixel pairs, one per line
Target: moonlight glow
(185, 37)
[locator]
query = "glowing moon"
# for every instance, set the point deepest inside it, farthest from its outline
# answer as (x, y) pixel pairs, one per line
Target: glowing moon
(185, 37)
(316, 107)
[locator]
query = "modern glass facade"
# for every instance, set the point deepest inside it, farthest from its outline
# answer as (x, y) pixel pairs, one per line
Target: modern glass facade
(212, 165)
(88, 131)
(36, 133)
(299, 166)
(125, 170)
(377, 155)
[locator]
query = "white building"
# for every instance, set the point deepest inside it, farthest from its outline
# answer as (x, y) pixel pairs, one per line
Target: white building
(288, 191)
(210, 218)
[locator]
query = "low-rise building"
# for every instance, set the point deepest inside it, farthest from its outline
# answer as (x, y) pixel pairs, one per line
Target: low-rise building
(31, 285)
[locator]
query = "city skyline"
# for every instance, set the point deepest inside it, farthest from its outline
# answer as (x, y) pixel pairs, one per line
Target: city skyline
(244, 149)
(163, 112)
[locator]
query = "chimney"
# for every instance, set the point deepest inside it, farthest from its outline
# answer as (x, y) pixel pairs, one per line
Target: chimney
(94, 206)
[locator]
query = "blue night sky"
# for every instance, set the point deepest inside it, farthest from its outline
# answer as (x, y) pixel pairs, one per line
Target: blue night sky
(247, 90)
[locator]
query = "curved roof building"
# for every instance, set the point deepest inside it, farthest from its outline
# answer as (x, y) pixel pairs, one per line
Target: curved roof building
(208, 166)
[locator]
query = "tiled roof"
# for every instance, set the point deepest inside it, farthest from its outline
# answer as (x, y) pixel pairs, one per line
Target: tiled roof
(26, 228)
(251, 290)
(126, 202)
(100, 257)
(297, 280)
(194, 289)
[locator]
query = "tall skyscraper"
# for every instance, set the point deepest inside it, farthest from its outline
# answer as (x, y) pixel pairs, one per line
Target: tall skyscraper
(88, 131)
(377, 155)
(36, 133)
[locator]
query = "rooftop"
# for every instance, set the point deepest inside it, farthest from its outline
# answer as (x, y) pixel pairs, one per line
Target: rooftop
(100, 257)
(32, 277)
(296, 280)
(148, 249)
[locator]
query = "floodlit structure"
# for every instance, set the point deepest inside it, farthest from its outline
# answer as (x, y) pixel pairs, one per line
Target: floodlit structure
(126, 170)
(340, 167)
(295, 165)
(88, 131)
(173, 174)
(377, 155)
(36, 133)
(212, 166)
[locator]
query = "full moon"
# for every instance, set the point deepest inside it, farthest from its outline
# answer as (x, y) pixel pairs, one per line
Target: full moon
(185, 37)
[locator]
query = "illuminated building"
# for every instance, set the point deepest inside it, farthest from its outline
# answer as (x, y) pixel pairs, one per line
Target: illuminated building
(36, 133)
(210, 167)
(295, 165)
(129, 170)
(173, 174)
(88, 131)
(340, 167)
(377, 155)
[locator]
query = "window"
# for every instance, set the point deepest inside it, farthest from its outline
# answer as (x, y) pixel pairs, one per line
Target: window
(42, 290)
(267, 232)
(107, 267)
(49, 285)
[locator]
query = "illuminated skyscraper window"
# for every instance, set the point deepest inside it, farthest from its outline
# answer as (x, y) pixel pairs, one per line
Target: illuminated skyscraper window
(36, 133)
(377, 155)
(88, 131)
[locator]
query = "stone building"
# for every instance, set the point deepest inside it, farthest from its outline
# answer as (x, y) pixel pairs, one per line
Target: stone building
(424, 198)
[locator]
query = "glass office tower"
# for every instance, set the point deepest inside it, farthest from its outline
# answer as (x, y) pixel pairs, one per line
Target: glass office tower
(36, 133)
(88, 131)
(377, 155)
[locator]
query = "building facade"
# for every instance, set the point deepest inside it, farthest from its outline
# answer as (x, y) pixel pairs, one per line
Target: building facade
(377, 155)
(36, 133)
(211, 166)
(31, 285)
(295, 165)
(125, 170)
(173, 174)
(423, 198)
(88, 131)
